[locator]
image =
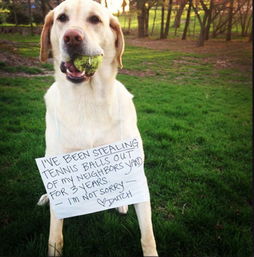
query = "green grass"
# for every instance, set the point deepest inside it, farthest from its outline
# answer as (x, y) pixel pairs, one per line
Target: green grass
(195, 122)
(15, 37)
(14, 69)
(27, 46)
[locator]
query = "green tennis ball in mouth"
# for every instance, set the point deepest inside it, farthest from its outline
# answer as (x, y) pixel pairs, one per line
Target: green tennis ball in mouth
(89, 64)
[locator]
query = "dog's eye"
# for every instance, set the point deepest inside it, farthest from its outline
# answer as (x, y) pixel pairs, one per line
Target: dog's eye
(94, 19)
(63, 17)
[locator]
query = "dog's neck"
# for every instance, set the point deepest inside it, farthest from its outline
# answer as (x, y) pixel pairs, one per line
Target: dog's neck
(99, 89)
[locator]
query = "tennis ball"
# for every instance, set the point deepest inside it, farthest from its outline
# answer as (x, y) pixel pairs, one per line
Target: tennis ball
(89, 64)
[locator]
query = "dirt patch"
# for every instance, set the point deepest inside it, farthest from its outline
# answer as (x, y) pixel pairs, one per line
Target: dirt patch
(4, 74)
(186, 60)
(16, 60)
(190, 46)
(222, 54)
(8, 55)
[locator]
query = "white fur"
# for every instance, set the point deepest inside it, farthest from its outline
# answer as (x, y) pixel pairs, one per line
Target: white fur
(43, 200)
(93, 113)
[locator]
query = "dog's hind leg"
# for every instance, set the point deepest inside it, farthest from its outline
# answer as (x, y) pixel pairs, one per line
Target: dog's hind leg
(143, 211)
(55, 244)
(122, 209)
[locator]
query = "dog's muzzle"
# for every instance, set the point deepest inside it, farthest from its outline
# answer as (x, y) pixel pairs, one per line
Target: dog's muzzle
(74, 46)
(72, 73)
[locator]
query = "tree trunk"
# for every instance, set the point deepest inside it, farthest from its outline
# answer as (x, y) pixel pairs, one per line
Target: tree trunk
(209, 20)
(143, 16)
(154, 19)
(230, 19)
(141, 27)
(141, 19)
(43, 8)
(215, 26)
(244, 19)
(165, 34)
(194, 26)
(15, 16)
(162, 19)
(14, 12)
(179, 13)
(129, 23)
(202, 34)
(201, 40)
(187, 21)
(248, 24)
(251, 35)
(146, 13)
(30, 16)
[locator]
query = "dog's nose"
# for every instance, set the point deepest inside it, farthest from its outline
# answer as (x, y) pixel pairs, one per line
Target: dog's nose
(73, 37)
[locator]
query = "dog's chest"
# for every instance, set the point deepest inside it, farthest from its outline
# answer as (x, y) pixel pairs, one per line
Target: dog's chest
(82, 122)
(88, 126)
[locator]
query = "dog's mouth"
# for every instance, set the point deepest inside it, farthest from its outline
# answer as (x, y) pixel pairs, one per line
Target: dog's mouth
(81, 68)
(73, 73)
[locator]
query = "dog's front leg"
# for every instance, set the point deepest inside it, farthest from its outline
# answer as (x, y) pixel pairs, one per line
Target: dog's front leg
(143, 211)
(55, 244)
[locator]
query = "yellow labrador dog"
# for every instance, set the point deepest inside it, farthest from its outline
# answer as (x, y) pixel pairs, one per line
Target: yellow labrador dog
(87, 110)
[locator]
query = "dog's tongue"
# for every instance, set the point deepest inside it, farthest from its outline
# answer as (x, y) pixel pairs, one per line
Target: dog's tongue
(70, 66)
(72, 70)
(73, 73)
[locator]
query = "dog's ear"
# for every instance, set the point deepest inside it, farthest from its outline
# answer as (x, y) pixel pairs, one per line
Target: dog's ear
(45, 37)
(119, 43)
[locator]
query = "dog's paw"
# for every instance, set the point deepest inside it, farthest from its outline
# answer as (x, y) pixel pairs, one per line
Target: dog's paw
(43, 200)
(122, 209)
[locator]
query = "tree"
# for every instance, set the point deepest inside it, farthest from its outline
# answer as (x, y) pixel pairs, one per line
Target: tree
(230, 19)
(14, 8)
(165, 26)
(228, 14)
(187, 21)
(142, 18)
(130, 14)
(203, 20)
(209, 20)
(251, 35)
(245, 16)
(165, 34)
(143, 8)
(154, 18)
(179, 13)
(162, 18)
(15, 12)
(30, 16)
(211, 10)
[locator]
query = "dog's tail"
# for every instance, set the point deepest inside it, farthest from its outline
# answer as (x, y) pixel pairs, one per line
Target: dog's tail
(43, 200)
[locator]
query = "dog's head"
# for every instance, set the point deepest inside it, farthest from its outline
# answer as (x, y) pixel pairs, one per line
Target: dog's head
(81, 28)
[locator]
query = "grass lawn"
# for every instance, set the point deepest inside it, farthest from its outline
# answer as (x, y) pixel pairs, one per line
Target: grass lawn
(195, 120)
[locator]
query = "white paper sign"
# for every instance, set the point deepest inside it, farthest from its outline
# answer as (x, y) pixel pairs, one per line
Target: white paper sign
(96, 179)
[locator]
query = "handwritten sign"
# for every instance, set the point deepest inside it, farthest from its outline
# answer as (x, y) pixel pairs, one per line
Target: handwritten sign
(96, 179)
